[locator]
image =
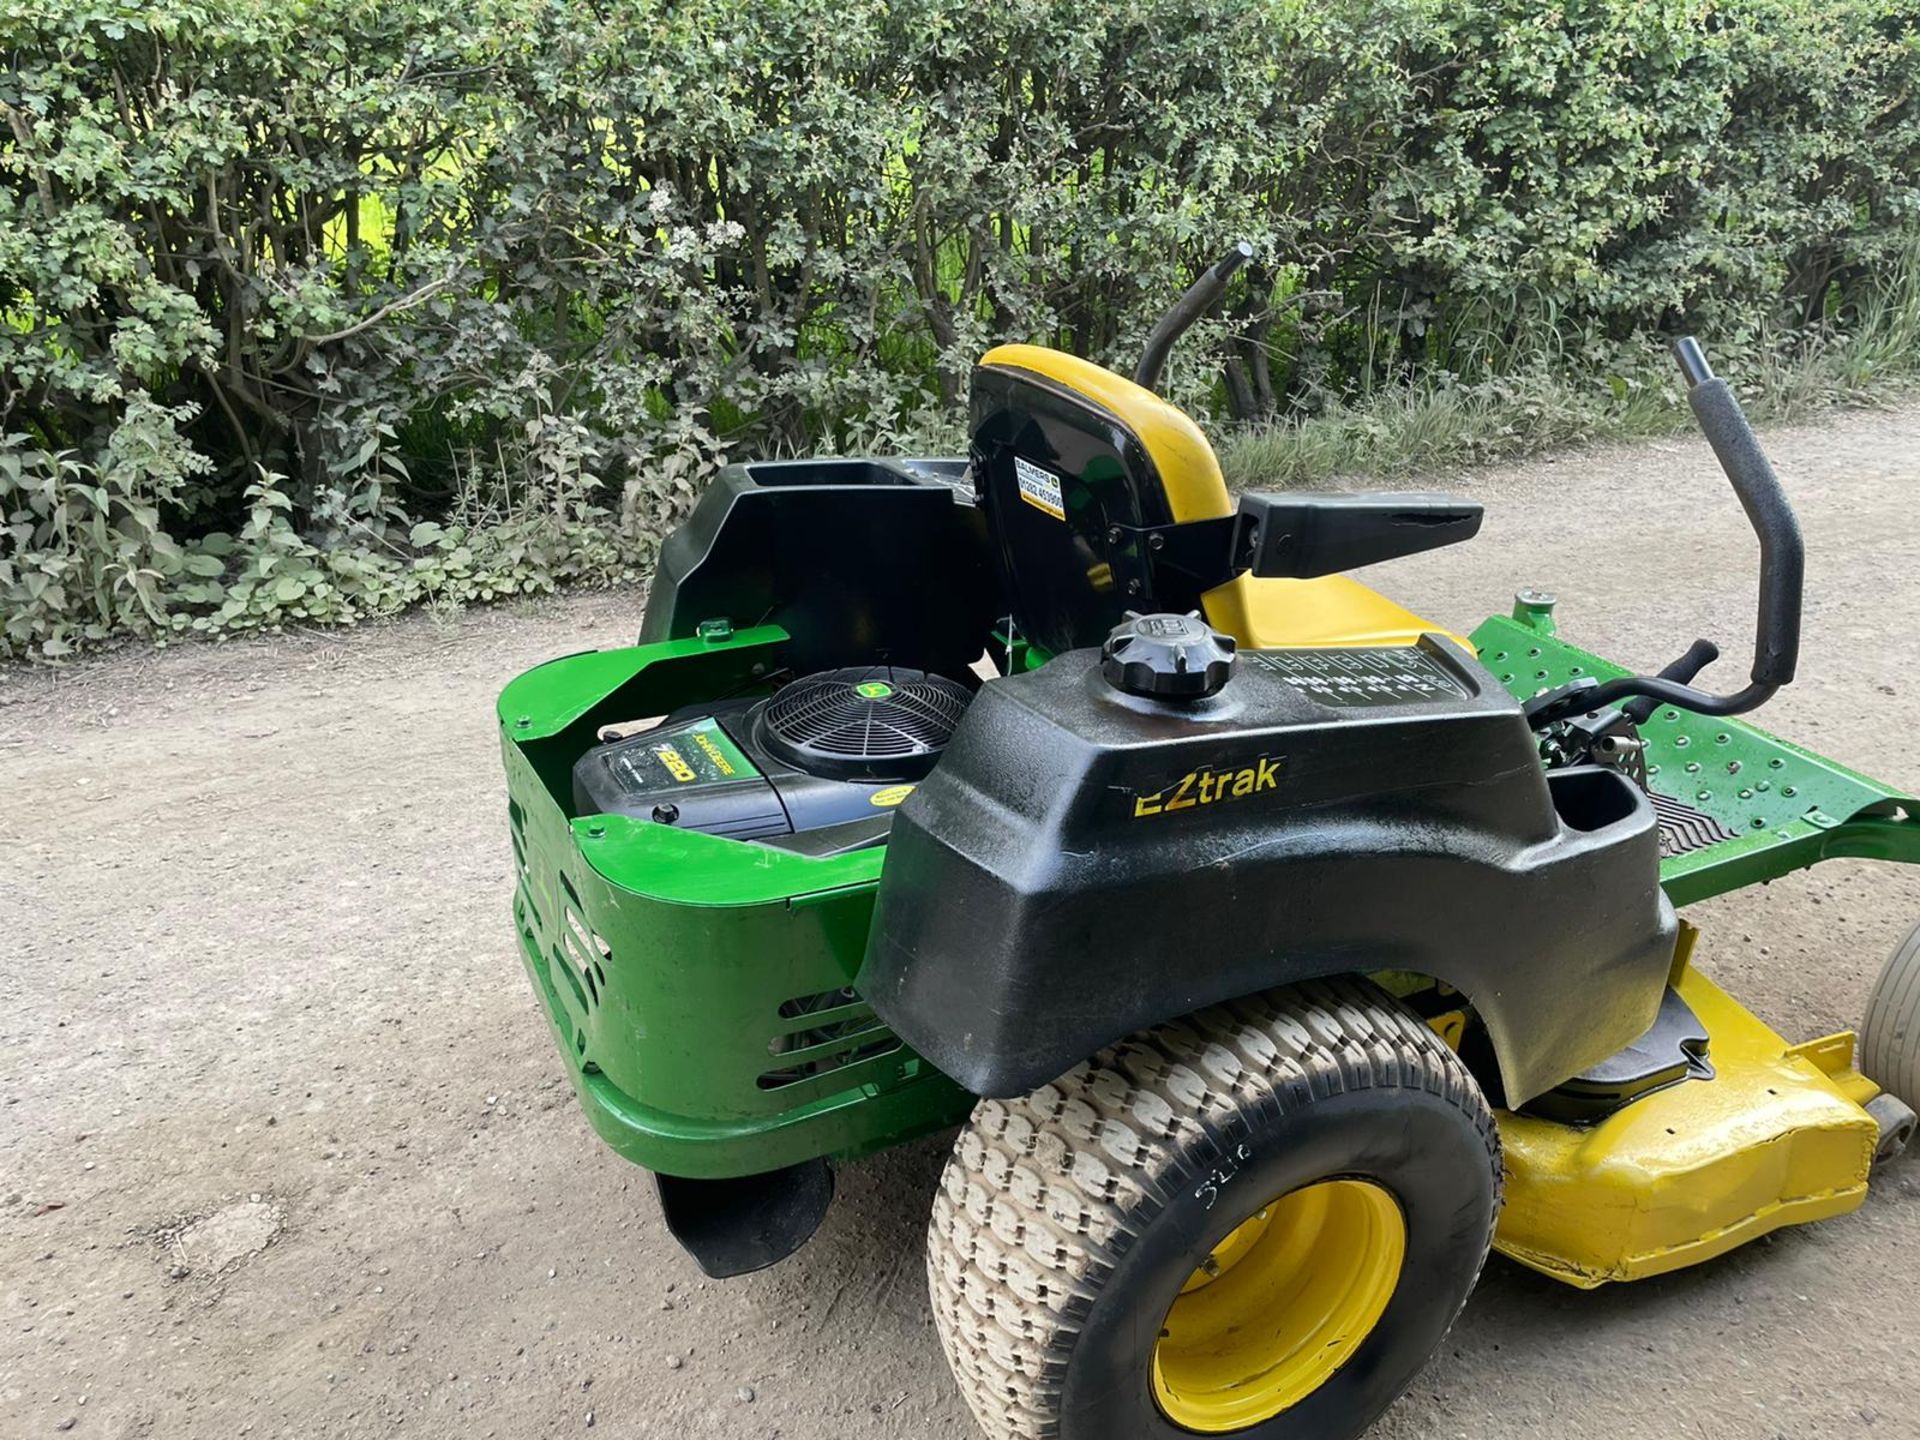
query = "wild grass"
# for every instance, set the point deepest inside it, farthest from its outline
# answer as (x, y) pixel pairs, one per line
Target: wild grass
(1521, 407)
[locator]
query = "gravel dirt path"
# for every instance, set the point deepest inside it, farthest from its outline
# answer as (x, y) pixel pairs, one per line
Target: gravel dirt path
(283, 1151)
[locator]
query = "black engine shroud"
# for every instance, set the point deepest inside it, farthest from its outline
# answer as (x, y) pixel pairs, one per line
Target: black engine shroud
(1085, 863)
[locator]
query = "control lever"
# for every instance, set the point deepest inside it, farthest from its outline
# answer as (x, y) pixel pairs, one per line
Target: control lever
(1199, 299)
(1782, 570)
(1700, 654)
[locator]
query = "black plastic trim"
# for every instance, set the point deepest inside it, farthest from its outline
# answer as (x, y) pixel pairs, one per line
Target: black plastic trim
(1676, 1048)
(842, 554)
(1042, 898)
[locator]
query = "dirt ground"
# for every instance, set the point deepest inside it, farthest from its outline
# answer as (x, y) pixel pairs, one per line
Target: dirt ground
(283, 1151)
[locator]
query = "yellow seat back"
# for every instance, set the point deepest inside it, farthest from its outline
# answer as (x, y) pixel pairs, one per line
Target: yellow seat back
(1188, 471)
(1074, 460)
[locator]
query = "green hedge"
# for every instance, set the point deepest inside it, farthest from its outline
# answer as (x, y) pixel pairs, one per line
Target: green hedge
(316, 308)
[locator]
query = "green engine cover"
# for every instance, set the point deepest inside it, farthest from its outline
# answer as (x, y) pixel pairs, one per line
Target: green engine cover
(698, 987)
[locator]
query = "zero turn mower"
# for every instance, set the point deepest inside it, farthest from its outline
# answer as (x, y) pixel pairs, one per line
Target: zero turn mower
(1275, 951)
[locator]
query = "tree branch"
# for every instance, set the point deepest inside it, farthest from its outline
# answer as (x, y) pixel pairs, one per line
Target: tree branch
(405, 302)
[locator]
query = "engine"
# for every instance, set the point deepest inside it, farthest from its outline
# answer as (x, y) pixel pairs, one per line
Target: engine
(830, 752)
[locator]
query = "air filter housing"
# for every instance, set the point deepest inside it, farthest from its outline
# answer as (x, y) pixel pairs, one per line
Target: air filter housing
(877, 722)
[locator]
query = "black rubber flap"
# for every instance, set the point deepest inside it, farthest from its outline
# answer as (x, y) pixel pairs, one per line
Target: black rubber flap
(734, 1227)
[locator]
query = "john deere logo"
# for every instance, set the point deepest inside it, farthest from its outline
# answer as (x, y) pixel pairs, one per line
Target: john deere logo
(873, 690)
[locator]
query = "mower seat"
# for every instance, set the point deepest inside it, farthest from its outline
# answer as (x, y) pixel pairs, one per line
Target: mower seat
(1334, 610)
(1102, 498)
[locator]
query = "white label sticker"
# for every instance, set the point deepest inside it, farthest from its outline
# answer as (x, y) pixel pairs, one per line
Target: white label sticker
(1039, 487)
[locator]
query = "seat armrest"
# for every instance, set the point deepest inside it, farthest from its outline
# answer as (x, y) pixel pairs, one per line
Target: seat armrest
(1299, 537)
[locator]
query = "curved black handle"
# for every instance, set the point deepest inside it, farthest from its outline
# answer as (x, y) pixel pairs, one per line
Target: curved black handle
(1199, 299)
(1776, 648)
(1783, 563)
(1700, 654)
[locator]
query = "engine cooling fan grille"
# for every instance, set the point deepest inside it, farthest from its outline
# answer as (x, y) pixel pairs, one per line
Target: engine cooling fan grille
(872, 723)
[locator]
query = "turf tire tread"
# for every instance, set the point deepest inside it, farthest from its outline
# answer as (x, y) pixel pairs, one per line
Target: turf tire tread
(1890, 1034)
(1044, 1195)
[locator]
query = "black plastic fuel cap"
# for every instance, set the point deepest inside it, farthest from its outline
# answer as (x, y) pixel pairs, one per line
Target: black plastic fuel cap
(1168, 657)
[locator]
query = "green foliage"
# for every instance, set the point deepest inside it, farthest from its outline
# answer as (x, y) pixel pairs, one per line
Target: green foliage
(87, 560)
(316, 309)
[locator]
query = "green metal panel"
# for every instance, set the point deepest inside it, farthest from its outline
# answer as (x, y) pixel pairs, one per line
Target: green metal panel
(1788, 808)
(697, 986)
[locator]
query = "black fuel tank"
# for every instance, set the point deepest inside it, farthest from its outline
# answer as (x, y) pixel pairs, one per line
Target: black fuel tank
(1085, 863)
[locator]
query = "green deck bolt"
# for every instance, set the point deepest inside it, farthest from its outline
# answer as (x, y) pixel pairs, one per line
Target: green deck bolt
(1534, 609)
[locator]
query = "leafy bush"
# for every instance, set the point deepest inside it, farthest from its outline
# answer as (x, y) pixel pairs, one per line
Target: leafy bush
(320, 308)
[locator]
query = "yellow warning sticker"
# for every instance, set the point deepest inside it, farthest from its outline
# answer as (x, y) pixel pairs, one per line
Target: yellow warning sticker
(890, 796)
(1039, 487)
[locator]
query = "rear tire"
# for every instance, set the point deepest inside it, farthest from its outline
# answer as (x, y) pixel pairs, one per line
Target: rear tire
(1070, 1221)
(1890, 1035)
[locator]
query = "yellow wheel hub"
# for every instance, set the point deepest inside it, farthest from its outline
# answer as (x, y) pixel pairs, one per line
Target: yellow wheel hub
(1279, 1306)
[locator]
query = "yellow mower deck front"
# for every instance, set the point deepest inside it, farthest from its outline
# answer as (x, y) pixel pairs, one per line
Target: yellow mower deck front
(1777, 1137)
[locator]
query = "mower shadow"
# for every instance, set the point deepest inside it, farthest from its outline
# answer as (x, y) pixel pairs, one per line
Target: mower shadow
(862, 1275)
(867, 1259)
